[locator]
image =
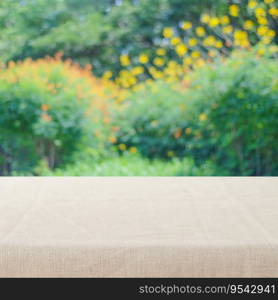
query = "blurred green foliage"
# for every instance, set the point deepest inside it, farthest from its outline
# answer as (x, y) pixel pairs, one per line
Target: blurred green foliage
(153, 120)
(130, 165)
(199, 109)
(234, 109)
(42, 114)
(91, 31)
(228, 116)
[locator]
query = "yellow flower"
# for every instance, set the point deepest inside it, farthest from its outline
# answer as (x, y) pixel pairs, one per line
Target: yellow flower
(186, 25)
(209, 41)
(225, 20)
(219, 44)
(107, 74)
(133, 149)
(227, 29)
(214, 22)
(248, 24)
(262, 30)
(132, 80)
(172, 64)
(234, 10)
(260, 12)
(240, 35)
(158, 61)
(188, 131)
(205, 18)
(181, 49)
(157, 74)
(125, 60)
(273, 11)
(192, 42)
(170, 153)
(200, 31)
(269, 1)
(195, 54)
(262, 20)
(261, 51)
(252, 4)
(175, 40)
(160, 51)
(187, 61)
(137, 70)
(168, 32)
(244, 43)
(143, 58)
(271, 33)
(122, 147)
(203, 117)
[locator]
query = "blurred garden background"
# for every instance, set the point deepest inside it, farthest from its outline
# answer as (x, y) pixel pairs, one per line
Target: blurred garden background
(139, 87)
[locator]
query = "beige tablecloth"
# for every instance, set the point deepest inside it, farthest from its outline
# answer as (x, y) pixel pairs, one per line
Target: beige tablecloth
(138, 227)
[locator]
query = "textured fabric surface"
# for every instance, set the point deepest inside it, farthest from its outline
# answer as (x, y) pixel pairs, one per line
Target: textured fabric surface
(138, 227)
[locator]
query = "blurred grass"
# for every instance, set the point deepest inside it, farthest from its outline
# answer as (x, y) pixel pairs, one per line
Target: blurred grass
(133, 165)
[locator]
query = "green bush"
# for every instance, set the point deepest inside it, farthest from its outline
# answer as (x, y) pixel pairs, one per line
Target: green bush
(233, 106)
(228, 115)
(131, 165)
(42, 113)
(91, 31)
(153, 120)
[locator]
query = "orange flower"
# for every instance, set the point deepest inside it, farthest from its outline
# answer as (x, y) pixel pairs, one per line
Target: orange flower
(46, 117)
(112, 139)
(115, 128)
(177, 133)
(45, 107)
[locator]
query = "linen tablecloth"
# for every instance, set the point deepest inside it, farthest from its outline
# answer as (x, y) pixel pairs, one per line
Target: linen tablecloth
(138, 227)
